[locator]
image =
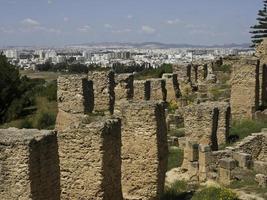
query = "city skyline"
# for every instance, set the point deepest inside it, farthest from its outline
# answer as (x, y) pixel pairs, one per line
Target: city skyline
(58, 22)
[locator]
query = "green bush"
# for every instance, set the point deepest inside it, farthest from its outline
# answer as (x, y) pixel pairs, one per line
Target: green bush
(244, 128)
(45, 120)
(26, 123)
(215, 193)
(177, 191)
(154, 72)
(175, 157)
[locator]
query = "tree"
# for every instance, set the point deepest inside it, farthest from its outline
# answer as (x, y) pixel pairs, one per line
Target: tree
(259, 31)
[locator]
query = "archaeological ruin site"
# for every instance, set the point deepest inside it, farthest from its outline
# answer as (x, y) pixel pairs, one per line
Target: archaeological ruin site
(113, 134)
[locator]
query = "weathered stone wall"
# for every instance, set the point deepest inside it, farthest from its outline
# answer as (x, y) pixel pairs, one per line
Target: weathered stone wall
(75, 98)
(103, 85)
(124, 89)
(208, 123)
(245, 88)
(158, 89)
(172, 87)
(182, 71)
(144, 150)
(90, 161)
(142, 90)
(29, 165)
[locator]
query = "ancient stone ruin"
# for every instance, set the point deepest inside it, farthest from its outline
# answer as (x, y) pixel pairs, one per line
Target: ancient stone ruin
(124, 89)
(144, 150)
(29, 164)
(208, 123)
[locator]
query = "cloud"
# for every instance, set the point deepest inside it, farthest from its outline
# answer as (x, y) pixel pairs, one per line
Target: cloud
(6, 30)
(172, 22)
(49, 1)
(122, 31)
(28, 22)
(66, 19)
(147, 29)
(107, 26)
(130, 17)
(85, 29)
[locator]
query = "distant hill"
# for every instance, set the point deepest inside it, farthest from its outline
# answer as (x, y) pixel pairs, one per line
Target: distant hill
(154, 45)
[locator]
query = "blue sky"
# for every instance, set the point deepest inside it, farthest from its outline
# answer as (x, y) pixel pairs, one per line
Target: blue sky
(60, 22)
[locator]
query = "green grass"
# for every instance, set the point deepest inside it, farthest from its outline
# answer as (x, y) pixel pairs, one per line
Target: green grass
(215, 193)
(179, 132)
(175, 157)
(177, 191)
(246, 127)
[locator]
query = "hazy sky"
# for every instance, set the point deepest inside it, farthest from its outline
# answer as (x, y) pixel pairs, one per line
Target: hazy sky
(59, 22)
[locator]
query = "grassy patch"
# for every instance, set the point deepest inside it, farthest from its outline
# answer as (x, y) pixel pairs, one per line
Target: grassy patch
(179, 132)
(153, 73)
(246, 127)
(175, 157)
(213, 193)
(177, 191)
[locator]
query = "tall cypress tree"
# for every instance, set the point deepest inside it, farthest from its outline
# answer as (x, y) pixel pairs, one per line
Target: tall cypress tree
(259, 30)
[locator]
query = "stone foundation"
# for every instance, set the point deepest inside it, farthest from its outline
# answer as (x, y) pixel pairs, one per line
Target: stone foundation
(90, 161)
(158, 90)
(142, 90)
(29, 165)
(104, 95)
(144, 150)
(124, 89)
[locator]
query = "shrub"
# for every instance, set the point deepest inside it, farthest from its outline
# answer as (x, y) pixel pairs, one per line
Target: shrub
(45, 120)
(26, 123)
(172, 106)
(175, 158)
(212, 193)
(244, 128)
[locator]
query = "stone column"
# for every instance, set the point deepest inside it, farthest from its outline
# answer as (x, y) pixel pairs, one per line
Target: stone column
(172, 87)
(90, 160)
(244, 160)
(124, 89)
(204, 161)
(75, 98)
(104, 95)
(144, 150)
(226, 170)
(142, 90)
(158, 89)
(29, 164)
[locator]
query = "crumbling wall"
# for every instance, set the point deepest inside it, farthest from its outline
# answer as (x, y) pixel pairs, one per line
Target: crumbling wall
(144, 150)
(124, 86)
(172, 87)
(182, 72)
(29, 165)
(245, 88)
(142, 90)
(90, 160)
(75, 98)
(208, 123)
(158, 89)
(103, 85)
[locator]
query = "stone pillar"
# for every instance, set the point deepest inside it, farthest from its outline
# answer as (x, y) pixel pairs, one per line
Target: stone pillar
(204, 161)
(75, 98)
(226, 170)
(104, 95)
(29, 164)
(190, 153)
(245, 88)
(90, 160)
(244, 160)
(158, 89)
(172, 87)
(144, 150)
(124, 89)
(142, 90)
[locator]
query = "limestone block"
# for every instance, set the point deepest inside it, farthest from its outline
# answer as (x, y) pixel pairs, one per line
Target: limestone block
(29, 165)
(191, 151)
(245, 86)
(75, 94)
(260, 167)
(158, 89)
(124, 86)
(244, 160)
(103, 85)
(90, 160)
(144, 150)
(261, 179)
(204, 161)
(225, 176)
(227, 163)
(142, 90)
(172, 87)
